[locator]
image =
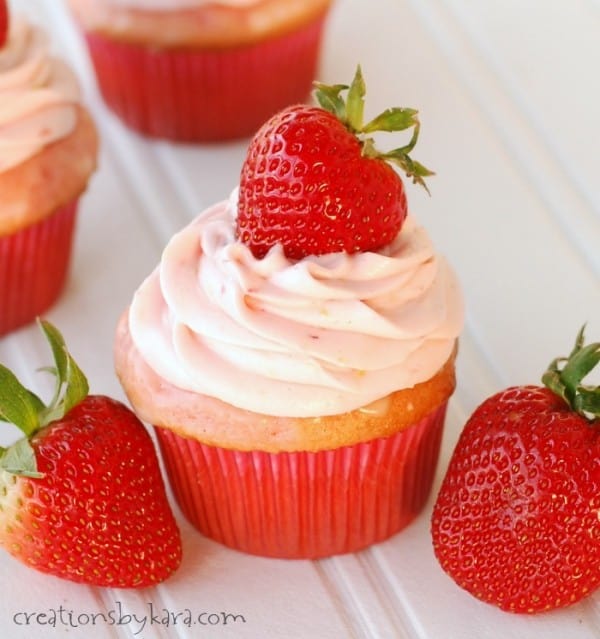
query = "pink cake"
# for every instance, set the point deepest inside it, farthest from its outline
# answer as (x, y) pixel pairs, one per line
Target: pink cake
(48, 149)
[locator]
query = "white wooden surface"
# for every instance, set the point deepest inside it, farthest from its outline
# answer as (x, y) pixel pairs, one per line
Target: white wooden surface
(509, 95)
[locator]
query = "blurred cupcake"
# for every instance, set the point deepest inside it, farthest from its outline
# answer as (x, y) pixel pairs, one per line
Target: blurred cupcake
(48, 149)
(295, 347)
(201, 70)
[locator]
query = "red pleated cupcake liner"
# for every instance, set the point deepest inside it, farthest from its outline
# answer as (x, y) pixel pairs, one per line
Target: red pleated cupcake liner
(34, 264)
(205, 94)
(305, 504)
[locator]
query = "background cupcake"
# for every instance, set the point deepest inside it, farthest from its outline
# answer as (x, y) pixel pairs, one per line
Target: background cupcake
(295, 347)
(48, 149)
(194, 70)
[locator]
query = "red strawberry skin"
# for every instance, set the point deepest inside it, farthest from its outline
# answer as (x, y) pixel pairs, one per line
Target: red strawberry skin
(517, 519)
(3, 22)
(305, 184)
(99, 515)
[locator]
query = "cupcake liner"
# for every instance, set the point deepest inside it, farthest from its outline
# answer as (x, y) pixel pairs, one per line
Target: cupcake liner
(204, 94)
(34, 263)
(305, 504)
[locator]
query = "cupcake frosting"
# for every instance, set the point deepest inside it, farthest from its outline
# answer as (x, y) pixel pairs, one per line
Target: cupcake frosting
(39, 95)
(320, 336)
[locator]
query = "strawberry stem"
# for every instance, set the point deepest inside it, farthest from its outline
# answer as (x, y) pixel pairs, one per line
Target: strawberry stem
(565, 375)
(24, 409)
(330, 100)
(19, 459)
(18, 405)
(355, 105)
(71, 385)
(351, 112)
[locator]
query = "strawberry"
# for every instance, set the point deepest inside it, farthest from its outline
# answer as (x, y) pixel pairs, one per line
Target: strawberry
(81, 495)
(3, 22)
(517, 518)
(314, 183)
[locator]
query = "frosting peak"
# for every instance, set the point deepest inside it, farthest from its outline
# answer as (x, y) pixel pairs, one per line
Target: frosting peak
(320, 336)
(38, 95)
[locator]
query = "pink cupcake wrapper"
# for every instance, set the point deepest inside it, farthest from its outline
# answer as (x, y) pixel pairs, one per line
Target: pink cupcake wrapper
(34, 263)
(208, 94)
(305, 504)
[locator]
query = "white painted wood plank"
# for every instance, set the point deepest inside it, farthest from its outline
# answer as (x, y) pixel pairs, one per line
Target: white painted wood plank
(516, 219)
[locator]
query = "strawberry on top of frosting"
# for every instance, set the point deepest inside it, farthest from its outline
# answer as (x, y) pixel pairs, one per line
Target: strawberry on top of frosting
(267, 303)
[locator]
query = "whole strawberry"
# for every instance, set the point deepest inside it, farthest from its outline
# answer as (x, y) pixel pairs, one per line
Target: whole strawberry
(81, 495)
(517, 519)
(313, 181)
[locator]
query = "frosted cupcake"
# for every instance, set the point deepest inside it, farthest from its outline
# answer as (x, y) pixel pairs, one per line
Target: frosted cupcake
(48, 149)
(199, 70)
(296, 362)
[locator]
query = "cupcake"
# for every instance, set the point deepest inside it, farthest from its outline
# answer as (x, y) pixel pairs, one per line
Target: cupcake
(48, 149)
(201, 70)
(295, 347)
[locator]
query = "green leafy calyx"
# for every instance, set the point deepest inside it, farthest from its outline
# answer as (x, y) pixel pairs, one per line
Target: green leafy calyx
(350, 112)
(565, 377)
(24, 409)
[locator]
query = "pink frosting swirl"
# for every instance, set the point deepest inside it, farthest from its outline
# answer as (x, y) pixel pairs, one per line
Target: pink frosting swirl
(319, 336)
(38, 95)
